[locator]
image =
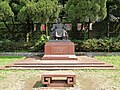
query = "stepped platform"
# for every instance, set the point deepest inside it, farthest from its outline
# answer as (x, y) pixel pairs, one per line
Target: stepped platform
(2, 67)
(83, 62)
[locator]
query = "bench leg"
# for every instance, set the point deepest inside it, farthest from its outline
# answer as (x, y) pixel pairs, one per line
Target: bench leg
(46, 80)
(70, 81)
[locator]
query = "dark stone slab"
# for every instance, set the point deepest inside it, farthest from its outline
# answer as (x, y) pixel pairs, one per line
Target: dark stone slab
(59, 41)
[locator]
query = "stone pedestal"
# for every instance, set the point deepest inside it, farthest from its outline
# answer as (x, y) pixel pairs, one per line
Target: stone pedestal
(59, 50)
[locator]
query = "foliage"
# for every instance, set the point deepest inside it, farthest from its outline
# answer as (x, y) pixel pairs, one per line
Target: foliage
(0, 1)
(98, 45)
(5, 11)
(15, 6)
(38, 11)
(9, 46)
(12, 46)
(39, 45)
(41, 11)
(113, 7)
(85, 10)
(94, 44)
(90, 45)
(78, 45)
(46, 10)
(27, 12)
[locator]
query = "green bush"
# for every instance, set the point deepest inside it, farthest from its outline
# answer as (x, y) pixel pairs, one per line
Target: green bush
(39, 45)
(98, 45)
(95, 45)
(7, 45)
(90, 45)
(11, 46)
(78, 45)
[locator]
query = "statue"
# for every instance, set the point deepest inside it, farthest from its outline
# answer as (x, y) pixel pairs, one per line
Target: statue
(59, 31)
(60, 48)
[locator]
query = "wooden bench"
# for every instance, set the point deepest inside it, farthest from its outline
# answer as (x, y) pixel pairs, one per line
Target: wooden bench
(58, 79)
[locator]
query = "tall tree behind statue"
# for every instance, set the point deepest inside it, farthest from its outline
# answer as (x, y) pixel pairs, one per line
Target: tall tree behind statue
(85, 11)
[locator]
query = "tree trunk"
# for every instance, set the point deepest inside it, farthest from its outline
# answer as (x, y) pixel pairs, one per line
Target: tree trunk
(28, 31)
(13, 24)
(32, 29)
(6, 25)
(13, 28)
(88, 31)
(108, 21)
(74, 33)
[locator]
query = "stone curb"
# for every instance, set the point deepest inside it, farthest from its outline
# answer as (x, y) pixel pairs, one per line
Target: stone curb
(28, 54)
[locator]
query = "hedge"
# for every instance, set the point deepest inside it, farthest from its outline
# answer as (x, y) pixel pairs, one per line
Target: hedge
(90, 45)
(98, 45)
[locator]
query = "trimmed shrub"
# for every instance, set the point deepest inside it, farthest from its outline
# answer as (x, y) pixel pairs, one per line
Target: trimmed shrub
(90, 45)
(11, 46)
(98, 45)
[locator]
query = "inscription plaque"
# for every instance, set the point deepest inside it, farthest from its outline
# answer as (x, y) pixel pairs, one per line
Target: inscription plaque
(59, 49)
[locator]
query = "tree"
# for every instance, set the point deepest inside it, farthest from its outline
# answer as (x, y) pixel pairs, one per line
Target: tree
(0, 1)
(15, 6)
(85, 11)
(113, 7)
(28, 12)
(6, 13)
(82, 10)
(41, 11)
(113, 11)
(27, 15)
(47, 10)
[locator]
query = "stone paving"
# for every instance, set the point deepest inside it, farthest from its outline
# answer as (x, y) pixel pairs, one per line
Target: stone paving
(83, 62)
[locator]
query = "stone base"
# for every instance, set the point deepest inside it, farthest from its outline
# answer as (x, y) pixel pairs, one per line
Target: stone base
(59, 50)
(59, 57)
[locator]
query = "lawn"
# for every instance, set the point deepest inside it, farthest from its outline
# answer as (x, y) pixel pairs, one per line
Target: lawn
(4, 60)
(115, 60)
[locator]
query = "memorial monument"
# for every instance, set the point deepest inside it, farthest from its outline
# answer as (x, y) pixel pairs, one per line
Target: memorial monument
(59, 48)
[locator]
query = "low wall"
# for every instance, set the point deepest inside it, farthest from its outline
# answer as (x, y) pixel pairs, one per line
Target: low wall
(28, 54)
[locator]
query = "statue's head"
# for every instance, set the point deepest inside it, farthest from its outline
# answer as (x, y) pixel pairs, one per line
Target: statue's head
(58, 20)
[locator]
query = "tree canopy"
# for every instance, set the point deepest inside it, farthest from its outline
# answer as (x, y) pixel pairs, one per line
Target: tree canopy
(85, 10)
(5, 11)
(39, 11)
(27, 13)
(47, 9)
(113, 10)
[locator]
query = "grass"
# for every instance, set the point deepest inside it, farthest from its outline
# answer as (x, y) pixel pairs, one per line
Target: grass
(115, 60)
(3, 74)
(4, 60)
